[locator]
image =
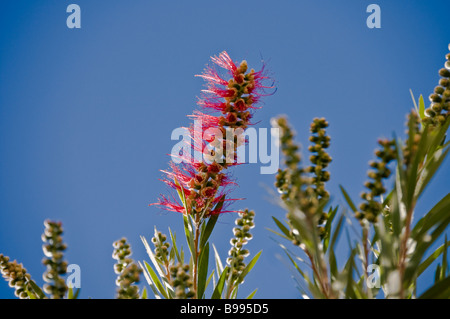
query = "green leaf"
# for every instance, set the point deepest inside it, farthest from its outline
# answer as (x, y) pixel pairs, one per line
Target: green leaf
(37, 290)
(283, 228)
(189, 232)
(71, 295)
(248, 267)
(421, 248)
(174, 245)
(156, 280)
(421, 107)
(144, 293)
(350, 266)
(252, 294)
(209, 278)
(332, 214)
(332, 257)
(444, 259)
(418, 158)
(437, 274)
(348, 199)
(437, 213)
(152, 256)
(219, 265)
(414, 100)
(209, 227)
(30, 294)
(440, 290)
(278, 234)
(430, 169)
(312, 286)
(202, 271)
(150, 282)
(427, 262)
(217, 294)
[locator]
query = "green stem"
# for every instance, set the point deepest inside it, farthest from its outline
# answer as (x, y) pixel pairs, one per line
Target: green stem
(196, 255)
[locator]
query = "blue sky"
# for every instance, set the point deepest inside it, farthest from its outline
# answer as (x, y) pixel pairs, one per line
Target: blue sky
(86, 114)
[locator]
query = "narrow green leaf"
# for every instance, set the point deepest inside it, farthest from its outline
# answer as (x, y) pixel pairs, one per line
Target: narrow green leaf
(436, 214)
(219, 265)
(440, 290)
(437, 273)
(248, 267)
(217, 294)
(444, 259)
(430, 169)
(202, 271)
(209, 278)
(152, 256)
(414, 100)
(37, 290)
(332, 256)
(278, 234)
(421, 107)
(70, 293)
(189, 232)
(174, 245)
(348, 199)
(144, 293)
(283, 228)
(427, 262)
(209, 228)
(150, 282)
(156, 280)
(422, 247)
(329, 223)
(30, 294)
(252, 294)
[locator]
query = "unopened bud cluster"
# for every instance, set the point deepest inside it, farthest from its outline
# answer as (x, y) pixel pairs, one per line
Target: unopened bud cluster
(438, 112)
(295, 187)
(320, 158)
(56, 267)
(16, 275)
(182, 281)
(237, 253)
(413, 137)
(372, 207)
(289, 180)
(128, 271)
(161, 247)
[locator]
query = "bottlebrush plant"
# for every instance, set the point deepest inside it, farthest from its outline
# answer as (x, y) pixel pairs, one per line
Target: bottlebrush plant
(389, 245)
(202, 186)
(391, 251)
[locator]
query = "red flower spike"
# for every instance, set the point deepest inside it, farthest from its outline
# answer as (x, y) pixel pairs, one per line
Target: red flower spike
(206, 184)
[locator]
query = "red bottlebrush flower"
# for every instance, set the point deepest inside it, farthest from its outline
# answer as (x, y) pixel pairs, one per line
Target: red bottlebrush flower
(224, 61)
(203, 185)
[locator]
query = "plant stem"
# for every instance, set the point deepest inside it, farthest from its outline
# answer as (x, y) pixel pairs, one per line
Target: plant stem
(323, 286)
(404, 248)
(196, 254)
(366, 257)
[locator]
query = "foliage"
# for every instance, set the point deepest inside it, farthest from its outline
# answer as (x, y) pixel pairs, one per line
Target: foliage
(391, 252)
(387, 259)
